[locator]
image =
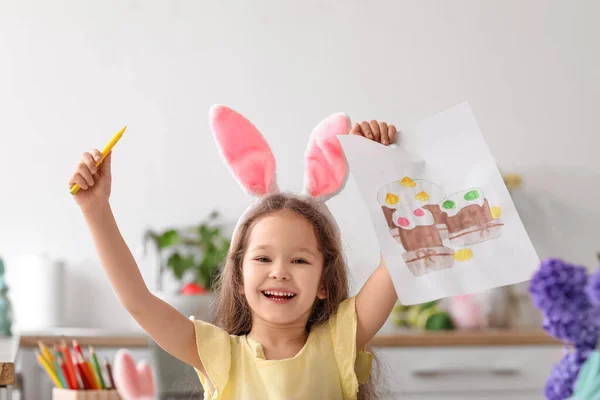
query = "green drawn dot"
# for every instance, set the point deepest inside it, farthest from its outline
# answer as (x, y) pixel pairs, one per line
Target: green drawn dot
(472, 195)
(448, 204)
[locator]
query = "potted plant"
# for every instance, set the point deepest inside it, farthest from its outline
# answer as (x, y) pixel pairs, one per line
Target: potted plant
(193, 256)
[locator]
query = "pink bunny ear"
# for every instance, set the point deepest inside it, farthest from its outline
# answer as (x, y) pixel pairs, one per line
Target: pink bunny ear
(125, 375)
(245, 150)
(326, 168)
(146, 379)
(132, 382)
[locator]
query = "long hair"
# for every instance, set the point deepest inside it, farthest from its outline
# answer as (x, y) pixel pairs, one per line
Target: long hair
(231, 309)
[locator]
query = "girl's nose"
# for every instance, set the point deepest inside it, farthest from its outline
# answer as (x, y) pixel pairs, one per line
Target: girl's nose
(279, 271)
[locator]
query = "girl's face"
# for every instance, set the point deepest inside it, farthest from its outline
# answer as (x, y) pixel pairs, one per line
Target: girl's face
(282, 269)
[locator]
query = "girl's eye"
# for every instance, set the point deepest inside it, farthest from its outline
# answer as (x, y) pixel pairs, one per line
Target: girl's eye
(262, 259)
(300, 261)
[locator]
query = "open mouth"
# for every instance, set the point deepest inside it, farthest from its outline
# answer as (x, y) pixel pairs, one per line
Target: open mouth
(278, 296)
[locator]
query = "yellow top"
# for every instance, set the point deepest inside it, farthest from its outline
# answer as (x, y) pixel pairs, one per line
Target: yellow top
(327, 367)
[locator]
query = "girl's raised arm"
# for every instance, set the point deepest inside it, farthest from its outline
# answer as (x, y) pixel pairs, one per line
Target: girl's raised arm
(165, 325)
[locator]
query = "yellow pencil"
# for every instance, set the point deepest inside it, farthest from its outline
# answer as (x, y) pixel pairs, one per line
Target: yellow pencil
(46, 353)
(93, 375)
(106, 150)
(49, 370)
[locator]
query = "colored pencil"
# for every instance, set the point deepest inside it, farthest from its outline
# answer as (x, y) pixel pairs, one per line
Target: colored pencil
(44, 363)
(69, 364)
(59, 371)
(62, 366)
(46, 353)
(97, 368)
(83, 366)
(75, 188)
(80, 365)
(92, 373)
(59, 374)
(109, 371)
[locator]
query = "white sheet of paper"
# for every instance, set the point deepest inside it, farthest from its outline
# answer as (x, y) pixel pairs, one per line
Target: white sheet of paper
(443, 216)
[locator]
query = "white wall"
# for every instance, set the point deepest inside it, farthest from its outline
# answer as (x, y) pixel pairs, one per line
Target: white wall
(73, 72)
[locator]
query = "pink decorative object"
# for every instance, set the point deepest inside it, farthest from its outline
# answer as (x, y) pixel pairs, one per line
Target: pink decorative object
(326, 168)
(244, 149)
(466, 312)
(250, 159)
(133, 382)
(403, 222)
(419, 212)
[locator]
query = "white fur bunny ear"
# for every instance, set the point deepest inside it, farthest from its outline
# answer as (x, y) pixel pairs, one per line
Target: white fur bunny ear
(245, 150)
(326, 169)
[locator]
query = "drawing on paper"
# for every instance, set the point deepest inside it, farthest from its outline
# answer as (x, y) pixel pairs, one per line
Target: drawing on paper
(436, 229)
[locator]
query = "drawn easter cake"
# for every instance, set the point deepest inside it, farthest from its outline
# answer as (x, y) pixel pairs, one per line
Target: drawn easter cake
(417, 193)
(415, 229)
(469, 219)
(427, 223)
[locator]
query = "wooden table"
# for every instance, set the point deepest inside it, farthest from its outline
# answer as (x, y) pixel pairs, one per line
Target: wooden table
(9, 347)
(106, 341)
(7, 373)
(511, 337)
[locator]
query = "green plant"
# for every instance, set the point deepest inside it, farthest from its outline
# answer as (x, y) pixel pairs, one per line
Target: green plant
(193, 254)
(426, 316)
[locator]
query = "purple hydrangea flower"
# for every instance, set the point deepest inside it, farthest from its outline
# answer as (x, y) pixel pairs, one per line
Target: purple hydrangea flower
(563, 375)
(592, 288)
(559, 288)
(578, 329)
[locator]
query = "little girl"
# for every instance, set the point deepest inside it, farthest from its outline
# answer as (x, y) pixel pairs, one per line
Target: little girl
(285, 325)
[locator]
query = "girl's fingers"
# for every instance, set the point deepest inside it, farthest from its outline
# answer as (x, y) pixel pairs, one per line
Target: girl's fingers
(84, 172)
(96, 155)
(355, 129)
(366, 129)
(90, 163)
(392, 132)
(378, 131)
(78, 179)
(375, 129)
(385, 136)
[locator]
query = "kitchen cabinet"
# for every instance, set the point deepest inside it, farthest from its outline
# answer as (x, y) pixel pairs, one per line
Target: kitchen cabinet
(499, 367)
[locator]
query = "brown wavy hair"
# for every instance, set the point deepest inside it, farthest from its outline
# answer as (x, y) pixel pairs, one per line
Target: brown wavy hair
(231, 310)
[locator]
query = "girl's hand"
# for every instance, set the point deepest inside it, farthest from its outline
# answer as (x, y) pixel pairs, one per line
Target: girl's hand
(94, 181)
(380, 132)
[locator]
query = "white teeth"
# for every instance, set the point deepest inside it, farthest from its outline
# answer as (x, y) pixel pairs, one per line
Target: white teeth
(280, 294)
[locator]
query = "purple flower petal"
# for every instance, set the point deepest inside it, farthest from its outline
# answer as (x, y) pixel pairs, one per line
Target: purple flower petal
(559, 288)
(563, 375)
(592, 288)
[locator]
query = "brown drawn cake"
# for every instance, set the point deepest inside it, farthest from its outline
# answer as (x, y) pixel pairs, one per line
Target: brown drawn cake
(417, 193)
(415, 229)
(469, 219)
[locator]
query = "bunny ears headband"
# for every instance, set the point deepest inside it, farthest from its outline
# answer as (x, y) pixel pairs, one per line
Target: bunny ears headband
(249, 157)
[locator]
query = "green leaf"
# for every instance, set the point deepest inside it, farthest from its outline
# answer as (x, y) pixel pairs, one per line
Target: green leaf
(206, 242)
(179, 264)
(168, 238)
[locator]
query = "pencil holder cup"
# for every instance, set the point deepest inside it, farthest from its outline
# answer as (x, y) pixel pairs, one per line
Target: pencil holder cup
(67, 394)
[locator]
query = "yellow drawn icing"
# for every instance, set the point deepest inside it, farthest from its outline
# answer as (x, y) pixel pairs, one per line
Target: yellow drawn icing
(422, 196)
(391, 199)
(463, 255)
(407, 182)
(496, 212)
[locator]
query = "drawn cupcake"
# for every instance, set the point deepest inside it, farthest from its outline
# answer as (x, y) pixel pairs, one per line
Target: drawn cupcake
(415, 229)
(416, 193)
(469, 219)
